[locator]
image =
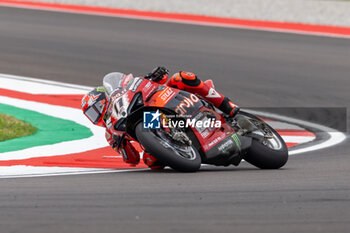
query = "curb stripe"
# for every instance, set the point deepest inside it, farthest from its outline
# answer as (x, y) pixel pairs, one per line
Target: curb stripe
(104, 157)
(291, 144)
(299, 28)
(296, 133)
(72, 101)
(298, 139)
(21, 171)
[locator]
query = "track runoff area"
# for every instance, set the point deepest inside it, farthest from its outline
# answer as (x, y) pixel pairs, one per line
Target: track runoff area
(67, 143)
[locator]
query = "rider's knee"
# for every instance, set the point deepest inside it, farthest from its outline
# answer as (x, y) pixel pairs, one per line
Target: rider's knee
(184, 78)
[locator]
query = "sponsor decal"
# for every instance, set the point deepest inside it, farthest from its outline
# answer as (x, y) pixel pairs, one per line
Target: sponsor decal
(205, 133)
(126, 80)
(151, 120)
(181, 109)
(167, 94)
(147, 86)
(101, 89)
(199, 116)
(214, 142)
(150, 91)
(213, 94)
(135, 84)
(237, 141)
(117, 94)
(226, 146)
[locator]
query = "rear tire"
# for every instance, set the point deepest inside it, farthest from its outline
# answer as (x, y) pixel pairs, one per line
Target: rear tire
(266, 158)
(165, 153)
(263, 156)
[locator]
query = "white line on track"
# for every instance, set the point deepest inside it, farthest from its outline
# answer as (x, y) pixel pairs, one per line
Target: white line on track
(22, 171)
(40, 86)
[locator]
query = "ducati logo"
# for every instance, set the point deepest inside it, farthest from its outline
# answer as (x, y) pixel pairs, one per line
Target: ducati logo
(213, 94)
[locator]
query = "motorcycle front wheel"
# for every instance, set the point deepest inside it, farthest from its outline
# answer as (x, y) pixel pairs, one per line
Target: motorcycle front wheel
(180, 157)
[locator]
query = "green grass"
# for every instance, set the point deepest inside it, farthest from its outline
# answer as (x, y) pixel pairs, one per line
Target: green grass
(11, 127)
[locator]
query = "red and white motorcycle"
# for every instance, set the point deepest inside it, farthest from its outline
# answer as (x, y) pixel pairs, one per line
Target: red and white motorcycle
(183, 131)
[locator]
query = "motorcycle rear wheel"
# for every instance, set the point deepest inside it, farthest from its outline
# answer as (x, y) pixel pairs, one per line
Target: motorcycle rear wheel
(271, 155)
(167, 153)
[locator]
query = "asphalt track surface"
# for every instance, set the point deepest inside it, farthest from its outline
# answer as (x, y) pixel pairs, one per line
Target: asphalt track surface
(255, 68)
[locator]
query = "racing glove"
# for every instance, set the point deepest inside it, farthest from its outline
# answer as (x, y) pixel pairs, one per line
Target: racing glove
(157, 74)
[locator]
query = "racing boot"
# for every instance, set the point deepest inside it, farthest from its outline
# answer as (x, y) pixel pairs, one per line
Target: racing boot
(228, 107)
(190, 82)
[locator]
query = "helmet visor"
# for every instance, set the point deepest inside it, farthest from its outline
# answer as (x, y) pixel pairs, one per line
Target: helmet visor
(93, 114)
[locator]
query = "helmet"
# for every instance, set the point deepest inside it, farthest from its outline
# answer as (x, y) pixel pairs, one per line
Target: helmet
(94, 105)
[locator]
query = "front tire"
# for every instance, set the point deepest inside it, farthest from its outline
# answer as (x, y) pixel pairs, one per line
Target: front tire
(166, 153)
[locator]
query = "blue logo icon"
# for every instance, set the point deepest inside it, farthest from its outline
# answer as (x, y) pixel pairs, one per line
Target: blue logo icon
(151, 120)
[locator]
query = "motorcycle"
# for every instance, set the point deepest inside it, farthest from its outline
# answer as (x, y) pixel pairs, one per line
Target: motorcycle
(183, 130)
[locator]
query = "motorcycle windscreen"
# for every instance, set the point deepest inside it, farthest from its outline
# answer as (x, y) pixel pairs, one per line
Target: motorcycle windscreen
(92, 114)
(113, 81)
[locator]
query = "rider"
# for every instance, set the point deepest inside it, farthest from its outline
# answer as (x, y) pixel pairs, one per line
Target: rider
(182, 80)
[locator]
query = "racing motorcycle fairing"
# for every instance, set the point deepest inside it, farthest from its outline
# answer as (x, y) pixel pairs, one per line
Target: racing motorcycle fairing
(212, 143)
(130, 97)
